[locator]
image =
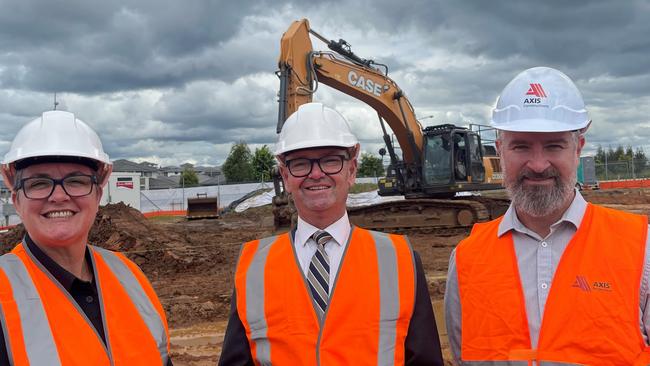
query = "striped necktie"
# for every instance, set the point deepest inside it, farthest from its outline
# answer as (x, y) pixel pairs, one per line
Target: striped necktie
(319, 272)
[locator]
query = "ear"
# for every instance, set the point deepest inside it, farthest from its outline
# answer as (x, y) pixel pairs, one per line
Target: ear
(580, 145)
(100, 193)
(8, 175)
(284, 173)
(17, 203)
(352, 172)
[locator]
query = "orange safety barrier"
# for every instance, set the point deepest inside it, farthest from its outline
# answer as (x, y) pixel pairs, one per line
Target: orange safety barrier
(165, 213)
(627, 183)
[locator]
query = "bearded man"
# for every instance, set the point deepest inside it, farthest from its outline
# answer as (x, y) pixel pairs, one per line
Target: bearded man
(556, 280)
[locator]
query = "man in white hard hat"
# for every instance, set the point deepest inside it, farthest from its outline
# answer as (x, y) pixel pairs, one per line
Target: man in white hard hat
(328, 293)
(556, 280)
(63, 301)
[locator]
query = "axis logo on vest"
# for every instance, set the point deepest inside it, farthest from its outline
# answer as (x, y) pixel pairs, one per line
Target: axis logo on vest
(583, 284)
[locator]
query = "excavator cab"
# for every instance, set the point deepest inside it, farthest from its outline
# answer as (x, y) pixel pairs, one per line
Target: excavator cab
(452, 159)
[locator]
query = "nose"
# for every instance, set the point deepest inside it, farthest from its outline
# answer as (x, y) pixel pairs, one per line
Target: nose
(316, 173)
(538, 162)
(58, 194)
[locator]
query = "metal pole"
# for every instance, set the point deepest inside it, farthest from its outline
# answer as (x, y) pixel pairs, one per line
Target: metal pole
(183, 192)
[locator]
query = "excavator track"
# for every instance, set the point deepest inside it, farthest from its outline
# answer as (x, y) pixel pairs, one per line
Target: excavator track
(422, 215)
(444, 217)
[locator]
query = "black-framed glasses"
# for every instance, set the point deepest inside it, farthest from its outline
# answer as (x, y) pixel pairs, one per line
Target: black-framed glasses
(37, 188)
(330, 164)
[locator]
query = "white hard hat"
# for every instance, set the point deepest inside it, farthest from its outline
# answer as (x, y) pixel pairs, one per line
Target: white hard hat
(56, 134)
(540, 99)
(314, 125)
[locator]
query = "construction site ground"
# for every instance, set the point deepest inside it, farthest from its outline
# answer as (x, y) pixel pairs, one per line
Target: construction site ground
(191, 263)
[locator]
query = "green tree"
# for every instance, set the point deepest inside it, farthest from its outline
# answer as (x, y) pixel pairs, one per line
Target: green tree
(640, 160)
(600, 155)
(263, 161)
(371, 166)
(189, 177)
(238, 166)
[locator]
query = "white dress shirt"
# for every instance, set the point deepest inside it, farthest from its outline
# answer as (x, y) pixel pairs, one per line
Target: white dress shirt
(305, 246)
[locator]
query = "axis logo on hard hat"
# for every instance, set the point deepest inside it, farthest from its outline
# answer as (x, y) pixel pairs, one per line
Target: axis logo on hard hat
(536, 90)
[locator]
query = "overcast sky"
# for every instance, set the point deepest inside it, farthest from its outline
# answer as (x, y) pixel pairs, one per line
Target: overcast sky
(171, 82)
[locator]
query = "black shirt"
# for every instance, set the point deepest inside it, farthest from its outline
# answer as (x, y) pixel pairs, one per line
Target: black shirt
(84, 293)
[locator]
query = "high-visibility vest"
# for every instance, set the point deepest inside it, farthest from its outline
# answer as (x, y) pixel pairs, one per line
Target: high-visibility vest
(43, 325)
(591, 316)
(369, 309)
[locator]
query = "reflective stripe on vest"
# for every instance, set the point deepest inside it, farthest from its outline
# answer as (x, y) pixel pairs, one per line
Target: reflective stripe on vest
(591, 315)
(137, 294)
(389, 297)
(38, 341)
(255, 309)
(266, 304)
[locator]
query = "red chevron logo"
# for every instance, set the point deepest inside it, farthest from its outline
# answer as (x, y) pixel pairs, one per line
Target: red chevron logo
(536, 90)
(581, 283)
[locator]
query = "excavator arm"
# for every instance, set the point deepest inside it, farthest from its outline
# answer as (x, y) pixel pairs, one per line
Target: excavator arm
(302, 68)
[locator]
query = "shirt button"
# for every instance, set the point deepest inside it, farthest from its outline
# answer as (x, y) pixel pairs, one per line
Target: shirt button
(89, 299)
(544, 244)
(544, 286)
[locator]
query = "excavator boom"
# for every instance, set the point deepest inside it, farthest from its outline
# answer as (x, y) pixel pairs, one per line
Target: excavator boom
(435, 162)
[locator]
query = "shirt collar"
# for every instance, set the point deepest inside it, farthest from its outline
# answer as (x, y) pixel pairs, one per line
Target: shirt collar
(65, 278)
(573, 215)
(340, 230)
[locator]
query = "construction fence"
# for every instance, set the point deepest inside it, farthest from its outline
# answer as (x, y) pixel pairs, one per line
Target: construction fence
(622, 169)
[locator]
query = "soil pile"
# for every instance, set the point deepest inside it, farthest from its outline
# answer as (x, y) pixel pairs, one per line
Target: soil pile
(121, 228)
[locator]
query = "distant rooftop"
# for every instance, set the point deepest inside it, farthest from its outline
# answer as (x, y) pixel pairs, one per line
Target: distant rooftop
(123, 165)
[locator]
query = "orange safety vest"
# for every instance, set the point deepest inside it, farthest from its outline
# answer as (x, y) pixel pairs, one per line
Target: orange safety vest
(591, 316)
(43, 325)
(369, 309)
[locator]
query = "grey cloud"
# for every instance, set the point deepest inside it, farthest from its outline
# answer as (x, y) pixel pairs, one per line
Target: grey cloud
(169, 80)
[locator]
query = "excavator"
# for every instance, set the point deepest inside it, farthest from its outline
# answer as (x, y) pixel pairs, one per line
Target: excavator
(436, 162)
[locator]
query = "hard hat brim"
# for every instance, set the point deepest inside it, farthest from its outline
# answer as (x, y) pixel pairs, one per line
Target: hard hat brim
(539, 125)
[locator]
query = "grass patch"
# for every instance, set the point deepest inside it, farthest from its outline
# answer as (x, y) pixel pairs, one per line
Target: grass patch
(363, 187)
(165, 219)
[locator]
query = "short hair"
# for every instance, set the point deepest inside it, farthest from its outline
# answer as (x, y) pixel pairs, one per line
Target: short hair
(21, 165)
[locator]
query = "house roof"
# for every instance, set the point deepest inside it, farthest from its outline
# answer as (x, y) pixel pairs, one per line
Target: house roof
(123, 165)
(163, 182)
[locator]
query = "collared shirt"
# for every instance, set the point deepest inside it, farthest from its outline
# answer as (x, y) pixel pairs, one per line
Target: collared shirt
(537, 259)
(306, 246)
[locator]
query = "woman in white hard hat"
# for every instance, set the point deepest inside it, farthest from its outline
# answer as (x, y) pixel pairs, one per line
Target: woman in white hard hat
(63, 301)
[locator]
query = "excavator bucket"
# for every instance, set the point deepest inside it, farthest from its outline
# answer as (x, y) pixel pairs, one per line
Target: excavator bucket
(202, 208)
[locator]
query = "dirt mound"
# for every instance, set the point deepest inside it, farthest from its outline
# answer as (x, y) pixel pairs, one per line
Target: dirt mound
(631, 196)
(122, 228)
(12, 237)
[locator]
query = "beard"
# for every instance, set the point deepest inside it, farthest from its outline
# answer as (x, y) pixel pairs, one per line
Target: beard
(539, 200)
